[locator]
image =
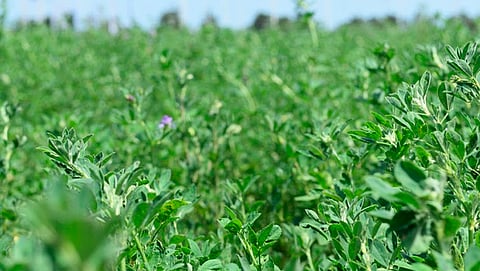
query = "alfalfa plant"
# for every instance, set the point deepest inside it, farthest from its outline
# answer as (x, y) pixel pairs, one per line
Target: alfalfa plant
(255, 244)
(94, 206)
(9, 142)
(419, 207)
(429, 145)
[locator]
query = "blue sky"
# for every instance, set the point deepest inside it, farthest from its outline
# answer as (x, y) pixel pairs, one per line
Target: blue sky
(233, 13)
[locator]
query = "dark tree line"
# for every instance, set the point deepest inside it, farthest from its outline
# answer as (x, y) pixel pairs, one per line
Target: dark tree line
(470, 23)
(172, 19)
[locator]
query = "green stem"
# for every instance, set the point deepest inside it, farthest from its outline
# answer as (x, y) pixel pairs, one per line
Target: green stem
(123, 265)
(309, 259)
(183, 95)
(142, 253)
(248, 248)
(366, 256)
(475, 83)
(313, 32)
(472, 225)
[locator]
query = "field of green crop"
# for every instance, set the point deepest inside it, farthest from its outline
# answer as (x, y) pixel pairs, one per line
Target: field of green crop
(289, 148)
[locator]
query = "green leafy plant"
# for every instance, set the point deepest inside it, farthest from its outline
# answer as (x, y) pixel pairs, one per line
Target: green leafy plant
(138, 202)
(358, 146)
(254, 243)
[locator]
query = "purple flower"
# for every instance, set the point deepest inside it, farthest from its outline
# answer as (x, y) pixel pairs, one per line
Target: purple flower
(166, 121)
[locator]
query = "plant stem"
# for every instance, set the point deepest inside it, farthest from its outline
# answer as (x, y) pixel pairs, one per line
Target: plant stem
(472, 223)
(309, 259)
(248, 248)
(123, 265)
(142, 253)
(366, 256)
(313, 32)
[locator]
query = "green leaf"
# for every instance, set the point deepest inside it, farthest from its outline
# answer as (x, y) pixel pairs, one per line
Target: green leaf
(230, 213)
(128, 177)
(309, 197)
(233, 129)
(459, 150)
(402, 121)
(214, 264)
(403, 221)
(382, 188)
(140, 214)
(442, 96)
(269, 234)
(457, 256)
(312, 214)
(246, 183)
(379, 252)
(317, 227)
(354, 248)
(347, 229)
(421, 267)
(163, 182)
(382, 214)
(252, 237)
(269, 265)
(424, 82)
(443, 263)
(472, 259)
(365, 135)
(451, 51)
(423, 155)
(87, 197)
(231, 225)
(336, 230)
(357, 228)
(275, 233)
(101, 159)
(224, 221)
(397, 103)
(244, 263)
(470, 51)
(169, 208)
(195, 248)
(452, 225)
(252, 217)
(382, 120)
(476, 68)
(410, 176)
(374, 131)
(8, 214)
(177, 239)
(461, 66)
(339, 249)
(232, 267)
(472, 142)
(415, 240)
(234, 226)
(408, 199)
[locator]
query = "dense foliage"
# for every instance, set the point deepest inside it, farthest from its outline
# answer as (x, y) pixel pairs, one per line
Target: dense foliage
(288, 148)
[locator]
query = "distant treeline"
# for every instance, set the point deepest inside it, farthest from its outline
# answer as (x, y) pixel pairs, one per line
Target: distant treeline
(172, 19)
